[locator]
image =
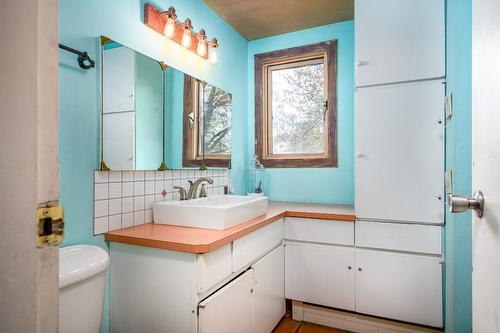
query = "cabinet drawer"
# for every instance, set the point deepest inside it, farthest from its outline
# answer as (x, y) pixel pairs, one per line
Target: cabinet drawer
(251, 247)
(397, 236)
(320, 274)
(399, 286)
(319, 231)
(213, 267)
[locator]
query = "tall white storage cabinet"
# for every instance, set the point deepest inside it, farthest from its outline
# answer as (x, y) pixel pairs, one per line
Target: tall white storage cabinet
(400, 152)
(399, 40)
(399, 177)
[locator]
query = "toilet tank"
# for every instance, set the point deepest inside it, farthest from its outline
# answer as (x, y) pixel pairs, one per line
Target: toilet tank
(82, 280)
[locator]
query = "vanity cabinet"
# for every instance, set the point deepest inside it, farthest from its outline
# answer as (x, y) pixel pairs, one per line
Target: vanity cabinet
(406, 287)
(238, 287)
(269, 290)
(230, 309)
(320, 274)
(319, 262)
(399, 40)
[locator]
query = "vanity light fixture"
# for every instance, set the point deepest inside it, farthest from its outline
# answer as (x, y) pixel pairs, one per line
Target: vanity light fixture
(169, 30)
(202, 43)
(213, 50)
(186, 35)
(165, 22)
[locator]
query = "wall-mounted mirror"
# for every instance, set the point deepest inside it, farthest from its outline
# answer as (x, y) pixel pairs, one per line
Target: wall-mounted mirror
(154, 116)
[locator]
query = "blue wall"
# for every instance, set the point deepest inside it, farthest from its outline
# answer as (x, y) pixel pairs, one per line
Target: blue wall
(458, 238)
(121, 20)
(320, 185)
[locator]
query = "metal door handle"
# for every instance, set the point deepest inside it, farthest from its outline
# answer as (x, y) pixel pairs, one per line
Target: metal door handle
(460, 203)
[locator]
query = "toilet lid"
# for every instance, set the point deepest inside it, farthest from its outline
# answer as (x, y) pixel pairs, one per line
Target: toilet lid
(80, 262)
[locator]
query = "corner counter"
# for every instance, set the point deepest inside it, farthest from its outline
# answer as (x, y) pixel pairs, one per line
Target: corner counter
(198, 240)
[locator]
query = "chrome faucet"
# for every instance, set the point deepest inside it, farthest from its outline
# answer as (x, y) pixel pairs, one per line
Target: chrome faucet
(193, 187)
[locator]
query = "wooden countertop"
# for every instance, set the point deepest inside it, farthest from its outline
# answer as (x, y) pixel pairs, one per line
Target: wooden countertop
(198, 240)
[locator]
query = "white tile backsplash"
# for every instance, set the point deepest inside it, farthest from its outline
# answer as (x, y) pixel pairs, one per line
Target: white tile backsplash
(123, 199)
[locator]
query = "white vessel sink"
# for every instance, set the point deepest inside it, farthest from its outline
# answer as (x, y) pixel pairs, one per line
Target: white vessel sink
(216, 212)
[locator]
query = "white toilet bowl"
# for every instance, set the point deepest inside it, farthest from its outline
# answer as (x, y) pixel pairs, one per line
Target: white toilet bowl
(82, 279)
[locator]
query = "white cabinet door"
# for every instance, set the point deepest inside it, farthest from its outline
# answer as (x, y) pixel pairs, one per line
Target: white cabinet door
(269, 290)
(399, 40)
(230, 309)
(119, 140)
(399, 286)
(320, 274)
(118, 79)
(400, 152)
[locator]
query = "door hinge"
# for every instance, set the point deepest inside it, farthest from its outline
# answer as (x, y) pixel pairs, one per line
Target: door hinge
(50, 225)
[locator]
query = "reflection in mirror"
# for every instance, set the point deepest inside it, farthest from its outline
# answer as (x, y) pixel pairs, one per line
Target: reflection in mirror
(154, 115)
(132, 109)
(207, 124)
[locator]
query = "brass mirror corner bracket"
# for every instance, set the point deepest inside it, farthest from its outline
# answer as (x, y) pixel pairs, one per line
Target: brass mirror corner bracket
(203, 166)
(103, 167)
(50, 225)
(104, 40)
(163, 65)
(163, 167)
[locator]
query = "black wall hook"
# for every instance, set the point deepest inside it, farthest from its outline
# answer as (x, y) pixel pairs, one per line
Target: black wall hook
(84, 60)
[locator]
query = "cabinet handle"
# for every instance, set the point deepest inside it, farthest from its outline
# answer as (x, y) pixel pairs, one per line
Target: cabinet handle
(360, 63)
(359, 155)
(359, 269)
(349, 267)
(251, 290)
(201, 306)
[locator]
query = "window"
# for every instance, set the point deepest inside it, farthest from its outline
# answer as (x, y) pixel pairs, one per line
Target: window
(207, 124)
(295, 106)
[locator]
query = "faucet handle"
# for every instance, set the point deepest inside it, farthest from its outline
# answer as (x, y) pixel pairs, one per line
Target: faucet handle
(182, 192)
(203, 191)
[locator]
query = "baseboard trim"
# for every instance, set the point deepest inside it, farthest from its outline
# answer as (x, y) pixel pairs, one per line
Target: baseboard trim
(351, 321)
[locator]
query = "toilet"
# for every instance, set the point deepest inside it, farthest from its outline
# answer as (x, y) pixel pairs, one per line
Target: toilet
(82, 280)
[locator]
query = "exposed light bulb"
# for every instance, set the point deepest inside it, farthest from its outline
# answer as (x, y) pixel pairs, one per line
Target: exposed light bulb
(213, 55)
(202, 48)
(186, 38)
(202, 43)
(169, 30)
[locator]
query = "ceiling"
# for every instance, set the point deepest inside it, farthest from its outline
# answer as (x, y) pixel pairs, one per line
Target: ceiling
(255, 19)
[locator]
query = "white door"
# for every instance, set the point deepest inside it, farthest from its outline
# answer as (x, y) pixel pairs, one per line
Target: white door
(230, 309)
(399, 40)
(119, 140)
(400, 152)
(486, 165)
(320, 274)
(269, 290)
(399, 286)
(118, 79)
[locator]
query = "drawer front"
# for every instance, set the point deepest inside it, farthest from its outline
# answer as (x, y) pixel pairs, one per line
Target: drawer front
(256, 244)
(319, 231)
(400, 237)
(213, 267)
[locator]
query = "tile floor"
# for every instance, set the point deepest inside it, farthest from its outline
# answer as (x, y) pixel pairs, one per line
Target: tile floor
(288, 325)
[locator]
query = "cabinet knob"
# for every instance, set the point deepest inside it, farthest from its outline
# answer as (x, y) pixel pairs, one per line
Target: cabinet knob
(349, 267)
(130, 157)
(359, 155)
(439, 197)
(131, 95)
(359, 269)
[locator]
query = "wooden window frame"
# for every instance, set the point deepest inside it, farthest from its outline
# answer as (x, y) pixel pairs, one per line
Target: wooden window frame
(190, 143)
(265, 62)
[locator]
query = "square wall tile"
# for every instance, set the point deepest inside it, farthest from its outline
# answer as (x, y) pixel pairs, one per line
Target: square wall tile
(139, 203)
(100, 208)
(115, 222)
(100, 191)
(115, 190)
(149, 187)
(138, 175)
(127, 205)
(127, 176)
(139, 188)
(100, 225)
(138, 217)
(149, 201)
(115, 206)
(100, 177)
(127, 189)
(150, 175)
(148, 216)
(127, 220)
